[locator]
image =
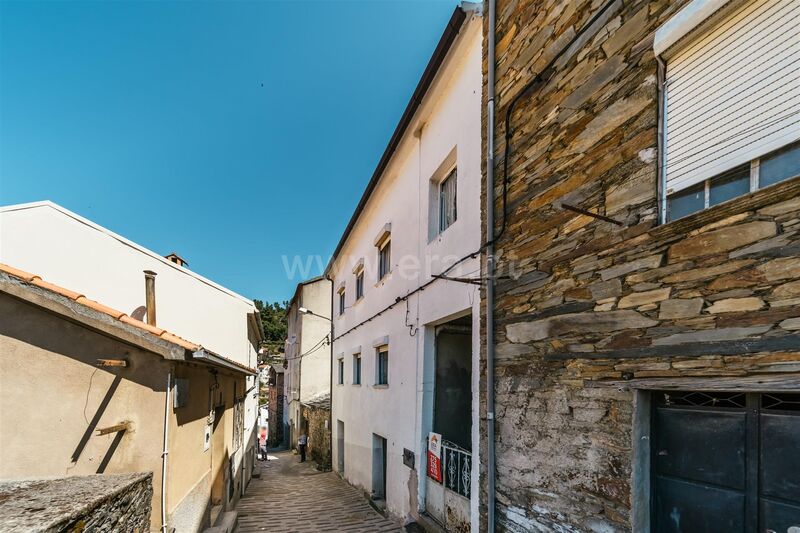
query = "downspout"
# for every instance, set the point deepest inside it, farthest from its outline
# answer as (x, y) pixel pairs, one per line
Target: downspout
(490, 449)
(164, 455)
(661, 171)
(330, 380)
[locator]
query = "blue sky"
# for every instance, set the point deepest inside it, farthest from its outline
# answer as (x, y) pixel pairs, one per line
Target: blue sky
(233, 133)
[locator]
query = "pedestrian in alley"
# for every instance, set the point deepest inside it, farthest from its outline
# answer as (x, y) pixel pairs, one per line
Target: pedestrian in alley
(302, 442)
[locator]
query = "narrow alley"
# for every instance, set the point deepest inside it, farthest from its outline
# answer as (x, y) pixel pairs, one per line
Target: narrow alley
(293, 497)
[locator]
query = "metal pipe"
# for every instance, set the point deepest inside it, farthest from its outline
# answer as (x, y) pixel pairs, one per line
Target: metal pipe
(490, 449)
(150, 296)
(330, 382)
(164, 455)
(661, 182)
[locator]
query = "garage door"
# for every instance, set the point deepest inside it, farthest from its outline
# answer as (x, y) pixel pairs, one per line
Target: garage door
(726, 462)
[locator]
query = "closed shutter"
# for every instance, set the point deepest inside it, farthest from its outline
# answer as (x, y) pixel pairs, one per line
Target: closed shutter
(733, 91)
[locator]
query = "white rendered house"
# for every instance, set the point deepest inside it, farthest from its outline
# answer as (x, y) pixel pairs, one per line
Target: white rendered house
(308, 350)
(406, 341)
(71, 251)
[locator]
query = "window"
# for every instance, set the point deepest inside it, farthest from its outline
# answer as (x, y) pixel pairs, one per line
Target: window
(341, 371)
(762, 172)
(341, 301)
(382, 366)
(729, 131)
(447, 201)
(359, 284)
(384, 258)
(357, 369)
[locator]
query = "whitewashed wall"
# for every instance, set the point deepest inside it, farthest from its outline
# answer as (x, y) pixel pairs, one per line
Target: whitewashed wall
(450, 122)
(308, 361)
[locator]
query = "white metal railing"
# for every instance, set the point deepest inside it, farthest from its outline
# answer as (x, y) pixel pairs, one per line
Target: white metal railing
(456, 468)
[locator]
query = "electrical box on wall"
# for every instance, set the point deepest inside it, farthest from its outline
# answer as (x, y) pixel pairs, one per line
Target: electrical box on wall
(408, 458)
(180, 393)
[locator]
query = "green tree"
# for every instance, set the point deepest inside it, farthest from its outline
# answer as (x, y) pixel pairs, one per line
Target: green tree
(273, 318)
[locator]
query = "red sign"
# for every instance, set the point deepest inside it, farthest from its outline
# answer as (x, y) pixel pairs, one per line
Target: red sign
(435, 457)
(434, 467)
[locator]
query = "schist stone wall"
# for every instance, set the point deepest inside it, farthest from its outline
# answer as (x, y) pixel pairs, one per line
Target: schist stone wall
(712, 296)
(316, 416)
(114, 502)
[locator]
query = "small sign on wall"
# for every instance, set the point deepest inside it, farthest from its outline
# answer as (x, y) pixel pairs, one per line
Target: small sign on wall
(435, 456)
(207, 438)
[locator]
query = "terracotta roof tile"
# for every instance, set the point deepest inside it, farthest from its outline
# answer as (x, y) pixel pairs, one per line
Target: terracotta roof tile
(27, 276)
(174, 339)
(118, 315)
(141, 325)
(39, 282)
(97, 306)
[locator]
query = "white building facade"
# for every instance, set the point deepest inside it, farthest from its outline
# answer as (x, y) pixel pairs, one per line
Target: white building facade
(308, 350)
(71, 251)
(406, 342)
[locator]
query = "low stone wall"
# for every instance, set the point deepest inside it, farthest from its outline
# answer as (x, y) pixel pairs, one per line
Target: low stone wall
(118, 502)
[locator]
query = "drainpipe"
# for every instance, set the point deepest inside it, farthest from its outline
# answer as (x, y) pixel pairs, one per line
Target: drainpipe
(164, 454)
(662, 140)
(490, 450)
(330, 386)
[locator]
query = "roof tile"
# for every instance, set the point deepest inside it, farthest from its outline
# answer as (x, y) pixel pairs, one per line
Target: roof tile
(27, 276)
(97, 306)
(118, 315)
(169, 337)
(141, 325)
(39, 282)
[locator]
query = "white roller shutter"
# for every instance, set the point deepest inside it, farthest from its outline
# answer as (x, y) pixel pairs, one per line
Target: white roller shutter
(733, 91)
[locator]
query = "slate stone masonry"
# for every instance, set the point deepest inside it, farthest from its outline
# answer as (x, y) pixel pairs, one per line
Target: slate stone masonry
(113, 502)
(584, 302)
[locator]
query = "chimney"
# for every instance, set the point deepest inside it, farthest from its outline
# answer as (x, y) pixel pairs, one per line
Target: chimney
(178, 260)
(150, 296)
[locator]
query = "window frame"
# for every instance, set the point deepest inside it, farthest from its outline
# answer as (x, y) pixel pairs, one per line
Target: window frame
(382, 353)
(340, 379)
(452, 174)
(753, 185)
(357, 364)
(359, 284)
(342, 300)
(385, 258)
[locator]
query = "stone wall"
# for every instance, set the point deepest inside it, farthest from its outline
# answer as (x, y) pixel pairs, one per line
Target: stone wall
(316, 420)
(710, 296)
(116, 502)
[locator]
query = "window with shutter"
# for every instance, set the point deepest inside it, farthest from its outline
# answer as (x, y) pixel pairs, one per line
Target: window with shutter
(732, 105)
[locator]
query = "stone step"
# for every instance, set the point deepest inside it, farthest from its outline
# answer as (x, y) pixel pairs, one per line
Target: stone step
(226, 523)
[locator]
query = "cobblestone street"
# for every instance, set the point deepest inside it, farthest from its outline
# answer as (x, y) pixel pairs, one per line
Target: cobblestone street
(291, 497)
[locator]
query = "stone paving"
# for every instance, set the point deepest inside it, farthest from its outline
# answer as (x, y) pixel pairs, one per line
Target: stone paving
(293, 497)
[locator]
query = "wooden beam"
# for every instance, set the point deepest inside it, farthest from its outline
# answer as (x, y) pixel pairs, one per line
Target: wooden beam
(755, 383)
(112, 362)
(124, 426)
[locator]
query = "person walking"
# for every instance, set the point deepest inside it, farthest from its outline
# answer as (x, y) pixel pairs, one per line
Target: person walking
(302, 442)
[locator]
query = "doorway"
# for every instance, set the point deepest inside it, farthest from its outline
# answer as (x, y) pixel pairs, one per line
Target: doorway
(378, 467)
(448, 493)
(725, 461)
